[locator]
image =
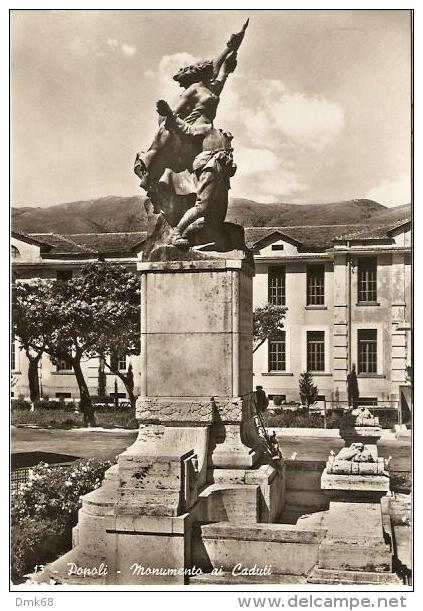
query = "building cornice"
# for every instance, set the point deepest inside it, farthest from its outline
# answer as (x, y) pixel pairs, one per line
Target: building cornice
(364, 250)
(292, 258)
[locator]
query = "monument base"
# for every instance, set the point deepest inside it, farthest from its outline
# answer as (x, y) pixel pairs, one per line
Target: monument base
(198, 456)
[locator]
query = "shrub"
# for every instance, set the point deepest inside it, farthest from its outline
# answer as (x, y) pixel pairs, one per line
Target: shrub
(44, 510)
(401, 482)
(67, 418)
(36, 542)
(20, 403)
(277, 400)
(308, 390)
(295, 419)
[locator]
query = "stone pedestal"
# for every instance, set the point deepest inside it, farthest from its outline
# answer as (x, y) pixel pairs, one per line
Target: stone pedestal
(355, 539)
(197, 452)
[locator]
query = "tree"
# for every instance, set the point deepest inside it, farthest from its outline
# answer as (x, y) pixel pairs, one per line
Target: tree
(267, 323)
(64, 316)
(352, 388)
(101, 391)
(308, 390)
(127, 377)
(27, 327)
(95, 313)
(119, 336)
(115, 396)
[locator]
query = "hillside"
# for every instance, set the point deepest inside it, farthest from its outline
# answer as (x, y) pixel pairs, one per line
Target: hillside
(253, 214)
(105, 214)
(108, 214)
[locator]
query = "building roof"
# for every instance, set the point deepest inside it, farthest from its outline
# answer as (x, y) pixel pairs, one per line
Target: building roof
(26, 237)
(374, 232)
(307, 236)
(400, 223)
(92, 243)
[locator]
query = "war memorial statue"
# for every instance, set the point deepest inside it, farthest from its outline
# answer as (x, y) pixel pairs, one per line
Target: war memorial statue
(187, 169)
(203, 489)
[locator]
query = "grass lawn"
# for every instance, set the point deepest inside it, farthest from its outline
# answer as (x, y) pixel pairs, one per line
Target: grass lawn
(67, 418)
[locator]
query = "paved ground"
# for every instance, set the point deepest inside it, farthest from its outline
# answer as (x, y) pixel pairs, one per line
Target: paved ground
(318, 448)
(107, 444)
(84, 443)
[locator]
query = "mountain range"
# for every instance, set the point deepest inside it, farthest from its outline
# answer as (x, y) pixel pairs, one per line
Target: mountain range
(115, 214)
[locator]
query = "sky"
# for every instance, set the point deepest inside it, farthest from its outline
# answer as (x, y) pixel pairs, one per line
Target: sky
(319, 104)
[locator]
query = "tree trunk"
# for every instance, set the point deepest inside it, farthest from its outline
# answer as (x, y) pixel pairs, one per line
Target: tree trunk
(86, 405)
(130, 391)
(33, 380)
(34, 384)
(101, 379)
(129, 385)
(128, 382)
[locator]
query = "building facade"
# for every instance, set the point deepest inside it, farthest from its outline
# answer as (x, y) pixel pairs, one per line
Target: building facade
(346, 290)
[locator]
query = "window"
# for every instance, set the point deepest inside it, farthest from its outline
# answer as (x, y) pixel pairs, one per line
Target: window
(368, 400)
(315, 350)
(119, 395)
(276, 285)
(63, 395)
(14, 252)
(367, 281)
(64, 274)
(118, 362)
(315, 285)
(64, 364)
(367, 350)
(277, 353)
(277, 246)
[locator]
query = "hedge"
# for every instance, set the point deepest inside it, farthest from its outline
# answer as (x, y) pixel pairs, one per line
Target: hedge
(44, 510)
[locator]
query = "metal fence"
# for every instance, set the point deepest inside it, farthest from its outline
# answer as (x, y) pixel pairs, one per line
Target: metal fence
(20, 476)
(388, 412)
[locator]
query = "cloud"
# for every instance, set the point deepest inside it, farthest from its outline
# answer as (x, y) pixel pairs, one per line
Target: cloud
(116, 46)
(270, 114)
(251, 160)
(264, 177)
(128, 50)
(83, 46)
(276, 131)
(271, 187)
(312, 121)
(167, 68)
(393, 193)
(113, 43)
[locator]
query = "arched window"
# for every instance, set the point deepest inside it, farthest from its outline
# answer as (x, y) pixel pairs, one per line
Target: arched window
(15, 252)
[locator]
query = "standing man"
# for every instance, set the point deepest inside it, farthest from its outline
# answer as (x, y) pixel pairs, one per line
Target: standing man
(262, 400)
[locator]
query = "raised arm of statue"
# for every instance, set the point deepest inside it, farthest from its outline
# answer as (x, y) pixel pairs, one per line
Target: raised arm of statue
(233, 44)
(226, 62)
(226, 69)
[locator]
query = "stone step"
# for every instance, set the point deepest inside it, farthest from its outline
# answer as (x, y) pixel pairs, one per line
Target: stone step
(290, 515)
(312, 500)
(283, 548)
(227, 578)
(336, 577)
(232, 502)
(365, 554)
